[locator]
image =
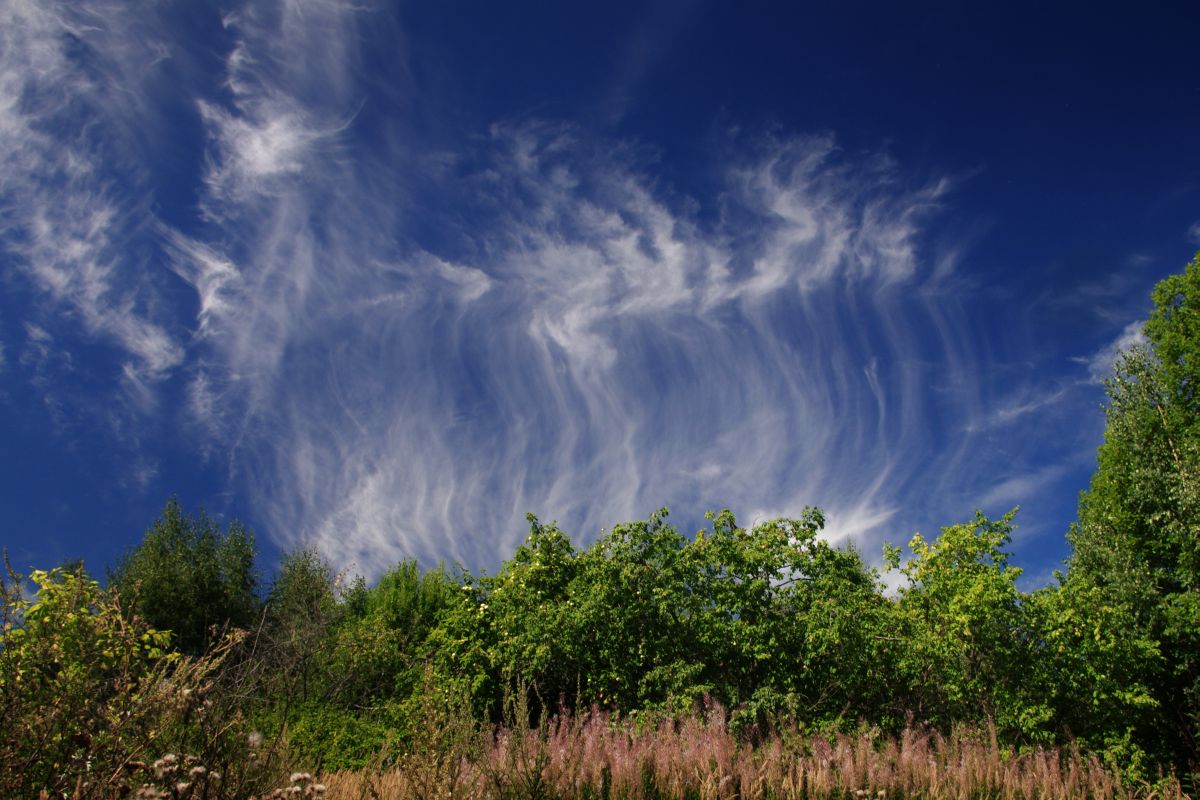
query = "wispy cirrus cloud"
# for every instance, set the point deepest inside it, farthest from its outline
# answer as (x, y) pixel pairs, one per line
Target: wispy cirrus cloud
(600, 352)
(401, 348)
(70, 91)
(1100, 364)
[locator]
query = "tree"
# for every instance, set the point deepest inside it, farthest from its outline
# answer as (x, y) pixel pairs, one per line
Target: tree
(67, 660)
(300, 614)
(786, 619)
(970, 645)
(190, 578)
(381, 649)
(1136, 558)
(630, 617)
(769, 620)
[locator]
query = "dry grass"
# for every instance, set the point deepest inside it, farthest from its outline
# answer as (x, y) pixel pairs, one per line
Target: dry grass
(596, 756)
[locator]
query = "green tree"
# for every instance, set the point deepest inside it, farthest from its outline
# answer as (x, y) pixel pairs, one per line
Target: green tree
(515, 627)
(66, 660)
(381, 650)
(630, 618)
(301, 612)
(969, 646)
(350, 671)
(769, 620)
(1136, 558)
(786, 619)
(189, 577)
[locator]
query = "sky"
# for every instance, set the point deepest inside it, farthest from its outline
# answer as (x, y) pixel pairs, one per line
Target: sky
(382, 278)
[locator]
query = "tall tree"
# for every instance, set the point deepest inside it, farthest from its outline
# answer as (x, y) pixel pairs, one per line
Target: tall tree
(187, 576)
(1137, 541)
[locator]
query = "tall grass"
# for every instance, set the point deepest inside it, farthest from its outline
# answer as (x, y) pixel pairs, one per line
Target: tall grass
(596, 756)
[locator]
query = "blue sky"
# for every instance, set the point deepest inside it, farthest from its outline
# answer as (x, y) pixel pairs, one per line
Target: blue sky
(382, 278)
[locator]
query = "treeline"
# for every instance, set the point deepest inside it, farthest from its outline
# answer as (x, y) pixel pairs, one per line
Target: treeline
(771, 622)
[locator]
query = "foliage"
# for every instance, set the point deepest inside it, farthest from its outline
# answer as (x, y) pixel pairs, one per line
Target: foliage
(387, 643)
(971, 644)
(301, 610)
(1134, 575)
(69, 657)
(191, 579)
(772, 620)
(322, 736)
(790, 620)
(88, 696)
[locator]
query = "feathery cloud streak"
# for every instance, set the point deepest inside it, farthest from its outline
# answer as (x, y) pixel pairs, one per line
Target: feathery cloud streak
(70, 101)
(400, 350)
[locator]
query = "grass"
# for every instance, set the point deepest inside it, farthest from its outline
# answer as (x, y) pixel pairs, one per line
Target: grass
(597, 756)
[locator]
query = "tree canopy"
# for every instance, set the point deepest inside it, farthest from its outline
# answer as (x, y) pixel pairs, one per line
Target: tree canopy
(189, 577)
(1135, 565)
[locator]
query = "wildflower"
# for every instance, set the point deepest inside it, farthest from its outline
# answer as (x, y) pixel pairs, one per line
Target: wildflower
(197, 771)
(254, 740)
(165, 765)
(300, 777)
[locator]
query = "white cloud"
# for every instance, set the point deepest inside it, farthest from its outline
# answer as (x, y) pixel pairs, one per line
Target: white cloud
(1193, 233)
(401, 352)
(1014, 409)
(1100, 364)
(62, 130)
(857, 525)
(1007, 494)
(607, 346)
(603, 343)
(214, 278)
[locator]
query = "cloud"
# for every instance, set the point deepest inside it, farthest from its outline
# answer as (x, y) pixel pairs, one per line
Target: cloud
(856, 524)
(398, 350)
(604, 353)
(69, 93)
(1193, 233)
(1012, 410)
(1100, 364)
(1011, 492)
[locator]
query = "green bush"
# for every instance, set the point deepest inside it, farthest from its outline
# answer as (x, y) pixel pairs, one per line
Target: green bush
(79, 685)
(328, 738)
(91, 697)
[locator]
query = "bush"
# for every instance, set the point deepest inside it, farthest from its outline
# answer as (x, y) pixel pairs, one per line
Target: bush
(90, 696)
(329, 738)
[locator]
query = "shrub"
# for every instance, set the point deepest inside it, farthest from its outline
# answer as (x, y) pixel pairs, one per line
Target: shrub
(90, 697)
